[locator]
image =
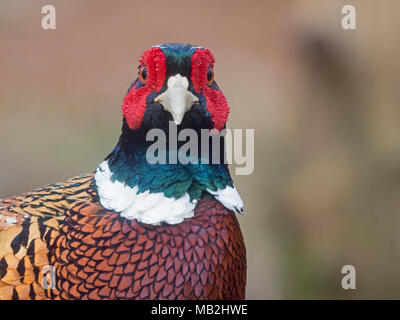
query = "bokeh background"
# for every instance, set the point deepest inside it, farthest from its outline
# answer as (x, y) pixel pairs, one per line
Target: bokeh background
(324, 103)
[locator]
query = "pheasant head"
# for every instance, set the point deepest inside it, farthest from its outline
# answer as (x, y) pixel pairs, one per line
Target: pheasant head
(175, 82)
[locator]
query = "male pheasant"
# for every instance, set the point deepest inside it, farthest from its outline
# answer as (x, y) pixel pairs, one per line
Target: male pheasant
(134, 228)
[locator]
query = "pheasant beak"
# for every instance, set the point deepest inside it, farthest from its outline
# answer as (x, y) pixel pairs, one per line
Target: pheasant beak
(177, 99)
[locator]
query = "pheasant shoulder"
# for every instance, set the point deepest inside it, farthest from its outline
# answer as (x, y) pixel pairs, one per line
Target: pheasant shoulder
(29, 225)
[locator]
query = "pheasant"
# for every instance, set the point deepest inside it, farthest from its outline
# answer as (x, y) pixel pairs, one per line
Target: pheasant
(133, 229)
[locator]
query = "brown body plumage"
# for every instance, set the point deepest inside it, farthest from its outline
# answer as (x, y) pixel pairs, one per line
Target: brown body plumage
(97, 254)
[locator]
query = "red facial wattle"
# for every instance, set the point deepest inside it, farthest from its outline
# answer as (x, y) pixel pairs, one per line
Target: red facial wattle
(134, 104)
(202, 60)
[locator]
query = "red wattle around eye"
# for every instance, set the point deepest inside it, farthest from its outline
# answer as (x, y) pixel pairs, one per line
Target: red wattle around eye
(134, 104)
(202, 59)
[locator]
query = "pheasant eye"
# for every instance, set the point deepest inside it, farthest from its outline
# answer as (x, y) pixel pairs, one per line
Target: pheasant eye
(210, 76)
(142, 73)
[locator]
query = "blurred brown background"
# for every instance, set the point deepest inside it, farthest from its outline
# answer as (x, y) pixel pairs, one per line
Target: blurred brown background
(323, 102)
